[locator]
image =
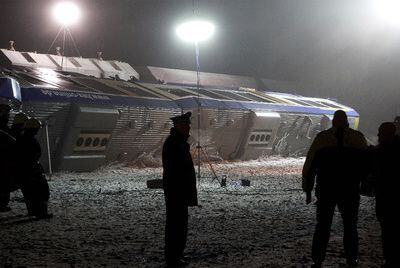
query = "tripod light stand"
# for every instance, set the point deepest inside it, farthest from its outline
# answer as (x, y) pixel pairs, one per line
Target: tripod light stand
(65, 13)
(196, 31)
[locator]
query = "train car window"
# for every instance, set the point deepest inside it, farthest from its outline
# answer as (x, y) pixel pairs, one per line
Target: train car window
(32, 80)
(79, 142)
(299, 102)
(177, 91)
(88, 141)
(37, 78)
(315, 103)
(96, 142)
(331, 105)
(253, 97)
(98, 86)
(210, 94)
(68, 73)
(233, 96)
(276, 99)
(139, 92)
(104, 142)
(72, 85)
(28, 57)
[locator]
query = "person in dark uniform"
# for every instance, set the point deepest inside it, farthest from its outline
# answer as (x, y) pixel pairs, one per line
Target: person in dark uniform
(335, 158)
(16, 130)
(18, 125)
(179, 183)
(386, 159)
(34, 184)
(397, 124)
(7, 159)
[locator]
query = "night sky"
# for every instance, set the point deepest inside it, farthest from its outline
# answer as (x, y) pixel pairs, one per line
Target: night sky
(339, 49)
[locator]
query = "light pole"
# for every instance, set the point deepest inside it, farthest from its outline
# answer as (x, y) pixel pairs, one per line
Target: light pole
(194, 32)
(65, 13)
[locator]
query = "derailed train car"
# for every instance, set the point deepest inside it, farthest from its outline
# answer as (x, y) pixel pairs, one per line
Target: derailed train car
(98, 111)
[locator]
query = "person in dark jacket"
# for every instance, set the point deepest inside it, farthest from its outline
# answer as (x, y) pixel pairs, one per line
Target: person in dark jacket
(386, 160)
(16, 131)
(7, 159)
(335, 158)
(397, 124)
(34, 183)
(179, 183)
(18, 125)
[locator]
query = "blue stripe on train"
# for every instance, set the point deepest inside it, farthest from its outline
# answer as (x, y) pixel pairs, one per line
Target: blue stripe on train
(50, 95)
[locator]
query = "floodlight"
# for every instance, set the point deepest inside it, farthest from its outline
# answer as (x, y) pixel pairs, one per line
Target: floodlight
(388, 10)
(66, 13)
(195, 31)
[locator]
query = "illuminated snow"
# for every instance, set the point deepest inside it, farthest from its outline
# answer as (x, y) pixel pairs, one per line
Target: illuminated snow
(109, 218)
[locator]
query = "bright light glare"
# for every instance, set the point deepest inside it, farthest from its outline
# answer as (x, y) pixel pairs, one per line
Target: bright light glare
(195, 31)
(48, 75)
(66, 13)
(388, 10)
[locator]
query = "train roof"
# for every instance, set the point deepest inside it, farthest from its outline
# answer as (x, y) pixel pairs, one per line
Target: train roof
(86, 66)
(46, 77)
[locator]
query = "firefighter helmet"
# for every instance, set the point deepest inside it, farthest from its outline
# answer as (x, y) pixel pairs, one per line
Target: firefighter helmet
(20, 118)
(33, 123)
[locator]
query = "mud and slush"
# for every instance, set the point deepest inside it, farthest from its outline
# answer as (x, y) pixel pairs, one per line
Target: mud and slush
(109, 218)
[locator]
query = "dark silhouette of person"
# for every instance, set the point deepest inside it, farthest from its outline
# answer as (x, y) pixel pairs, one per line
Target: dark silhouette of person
(34, 184)
(7, 159)
(335, 158)
(18, 124)
(16, 130)
(397, 124)
(179, 183)
(386, 160)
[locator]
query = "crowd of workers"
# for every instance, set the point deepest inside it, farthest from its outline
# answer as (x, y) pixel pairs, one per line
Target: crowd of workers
(342, 166)
(20, 168)
(339, 163)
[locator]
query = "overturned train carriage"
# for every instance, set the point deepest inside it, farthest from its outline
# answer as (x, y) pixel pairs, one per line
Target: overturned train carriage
(98, 111)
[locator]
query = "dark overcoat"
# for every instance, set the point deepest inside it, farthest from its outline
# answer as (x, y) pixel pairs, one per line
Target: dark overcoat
(7, 159)
(33, 180)
(179, 178)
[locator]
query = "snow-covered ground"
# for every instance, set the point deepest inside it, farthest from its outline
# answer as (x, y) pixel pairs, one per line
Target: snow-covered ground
(109, 218)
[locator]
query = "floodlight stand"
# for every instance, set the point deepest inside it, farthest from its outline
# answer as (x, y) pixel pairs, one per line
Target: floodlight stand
(65, 30)
(63, 48)
(196, 44)
(199, 149)
(215, 177)
(48, 149)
